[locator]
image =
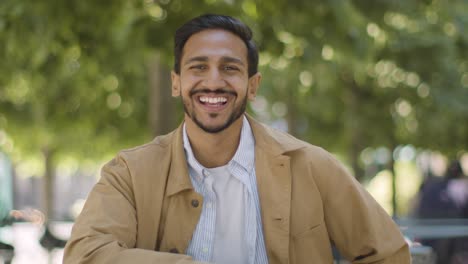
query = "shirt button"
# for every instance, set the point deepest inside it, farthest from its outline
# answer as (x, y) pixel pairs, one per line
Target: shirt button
(195, 203)
(205, 250)
(208, 205)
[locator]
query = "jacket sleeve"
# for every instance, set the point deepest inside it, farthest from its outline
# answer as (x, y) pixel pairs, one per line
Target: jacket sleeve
(358, 226)
(106, 230)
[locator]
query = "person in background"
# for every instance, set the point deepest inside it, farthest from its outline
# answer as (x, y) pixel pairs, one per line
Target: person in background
(224, 188)
(6, 204)
(446, 197)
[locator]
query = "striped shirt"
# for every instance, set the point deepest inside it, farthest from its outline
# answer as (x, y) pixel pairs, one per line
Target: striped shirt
(242, 168)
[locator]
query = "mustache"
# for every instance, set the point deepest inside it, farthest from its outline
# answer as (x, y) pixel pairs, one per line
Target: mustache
(217, 91)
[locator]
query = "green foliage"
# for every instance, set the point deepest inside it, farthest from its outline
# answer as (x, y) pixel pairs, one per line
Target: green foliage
(384, 72)
(352, 74)
(72, 74)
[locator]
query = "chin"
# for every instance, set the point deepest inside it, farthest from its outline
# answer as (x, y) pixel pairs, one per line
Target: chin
(214, 128)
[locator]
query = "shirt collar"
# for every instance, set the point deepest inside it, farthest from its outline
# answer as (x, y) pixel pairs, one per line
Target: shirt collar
(192, 162)
(244, 156)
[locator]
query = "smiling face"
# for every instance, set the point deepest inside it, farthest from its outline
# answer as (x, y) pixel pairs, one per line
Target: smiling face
(213, 80)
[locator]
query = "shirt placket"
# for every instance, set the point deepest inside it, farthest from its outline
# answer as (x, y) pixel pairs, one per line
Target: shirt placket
(209, 208)
(249, 211)
(204, 235)
(260, 249)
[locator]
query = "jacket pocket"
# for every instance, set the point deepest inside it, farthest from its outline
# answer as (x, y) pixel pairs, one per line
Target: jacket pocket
(311, 246)
(305, 232)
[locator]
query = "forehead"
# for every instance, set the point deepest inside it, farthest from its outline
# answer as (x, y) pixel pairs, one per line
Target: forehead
(214, 44)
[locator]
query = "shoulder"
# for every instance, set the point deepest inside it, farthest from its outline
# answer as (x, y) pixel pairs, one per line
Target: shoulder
(312, 165)
(157, 144)
(306, 156)
(143, 156)
(298, 148)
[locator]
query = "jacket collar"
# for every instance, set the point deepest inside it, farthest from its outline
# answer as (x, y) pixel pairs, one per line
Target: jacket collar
(271, 140)
(266, 138)
(243, 157)
(178, 179)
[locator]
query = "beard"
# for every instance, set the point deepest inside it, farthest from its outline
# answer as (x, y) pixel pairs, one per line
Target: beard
(236, 113)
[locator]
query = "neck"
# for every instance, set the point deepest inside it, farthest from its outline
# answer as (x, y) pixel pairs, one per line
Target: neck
(214, 149)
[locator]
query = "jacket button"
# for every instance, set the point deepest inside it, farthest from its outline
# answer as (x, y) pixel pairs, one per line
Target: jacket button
(195, 203)
(174, 250)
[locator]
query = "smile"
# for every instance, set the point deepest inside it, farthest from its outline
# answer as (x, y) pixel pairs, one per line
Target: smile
(212, 100)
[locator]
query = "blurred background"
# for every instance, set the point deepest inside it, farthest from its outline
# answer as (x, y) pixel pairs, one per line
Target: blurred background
(382, 84)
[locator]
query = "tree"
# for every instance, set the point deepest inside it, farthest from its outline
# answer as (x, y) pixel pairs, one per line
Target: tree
(86, 79)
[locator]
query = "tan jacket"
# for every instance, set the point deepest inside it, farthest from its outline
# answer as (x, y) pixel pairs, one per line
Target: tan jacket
(144, 208)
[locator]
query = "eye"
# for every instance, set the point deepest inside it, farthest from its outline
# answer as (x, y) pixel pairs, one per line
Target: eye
(199, 67)
(230, 68)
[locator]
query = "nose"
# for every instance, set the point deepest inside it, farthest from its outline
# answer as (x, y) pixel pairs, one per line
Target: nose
(214, 79)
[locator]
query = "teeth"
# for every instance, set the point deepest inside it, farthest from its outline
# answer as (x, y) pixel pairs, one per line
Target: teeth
(213, 100)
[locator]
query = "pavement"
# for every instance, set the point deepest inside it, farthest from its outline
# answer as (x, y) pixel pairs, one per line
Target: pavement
(25, 238)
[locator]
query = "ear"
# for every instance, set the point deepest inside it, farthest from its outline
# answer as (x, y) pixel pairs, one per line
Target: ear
(175, 78)
(254, 84)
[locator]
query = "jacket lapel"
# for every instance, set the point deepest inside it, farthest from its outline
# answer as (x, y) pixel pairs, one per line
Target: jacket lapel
(274, 186)
(182, 205)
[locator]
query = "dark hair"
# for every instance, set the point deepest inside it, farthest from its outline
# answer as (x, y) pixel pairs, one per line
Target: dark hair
(210, 21)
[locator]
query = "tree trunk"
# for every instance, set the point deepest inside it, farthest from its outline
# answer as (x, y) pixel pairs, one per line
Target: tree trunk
(353, 126)
(391, 167)
(354, 152)
(291, 115)
(49, 176)
(394, 188)
(161, 116)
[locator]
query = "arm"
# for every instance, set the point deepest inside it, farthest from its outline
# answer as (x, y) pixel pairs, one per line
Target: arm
(106, 230)
(359, 227)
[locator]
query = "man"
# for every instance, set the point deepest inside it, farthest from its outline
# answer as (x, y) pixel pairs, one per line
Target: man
(223, 188)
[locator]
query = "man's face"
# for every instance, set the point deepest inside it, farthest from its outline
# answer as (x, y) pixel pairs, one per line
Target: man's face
(213, 80)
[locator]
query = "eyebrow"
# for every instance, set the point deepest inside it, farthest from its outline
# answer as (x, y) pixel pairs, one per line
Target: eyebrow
(197, 59)
(232, 60)
(224, 59)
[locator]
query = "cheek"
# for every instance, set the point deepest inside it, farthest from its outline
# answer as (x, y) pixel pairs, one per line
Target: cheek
(190, 81)
(237, 83)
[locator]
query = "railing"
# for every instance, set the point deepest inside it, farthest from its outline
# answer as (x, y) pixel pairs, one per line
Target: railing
(431, 229)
